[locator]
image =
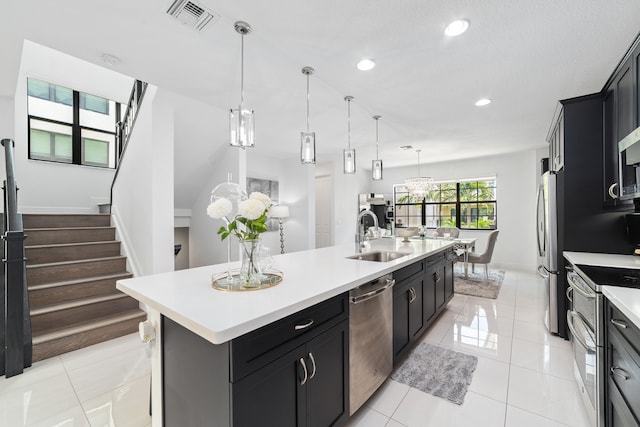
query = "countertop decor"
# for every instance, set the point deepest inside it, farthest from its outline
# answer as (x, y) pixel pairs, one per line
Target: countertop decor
(246, 225)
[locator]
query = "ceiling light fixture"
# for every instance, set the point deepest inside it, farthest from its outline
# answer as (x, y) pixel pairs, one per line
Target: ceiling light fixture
(482, 102)
(110, 60)
(307, 139)
(419, 186)
(349, 154)
(456, 27)
(406, 147)
(376, 165)
(241, 121)
(366, 64)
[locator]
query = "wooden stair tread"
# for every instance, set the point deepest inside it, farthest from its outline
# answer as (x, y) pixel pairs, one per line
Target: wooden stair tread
(105, 227)
(123, 275)
(87, 326)
(81, 261)
(77, 303)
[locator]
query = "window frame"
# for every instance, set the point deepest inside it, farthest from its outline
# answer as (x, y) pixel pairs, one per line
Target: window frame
(456, 205)
(76, 127)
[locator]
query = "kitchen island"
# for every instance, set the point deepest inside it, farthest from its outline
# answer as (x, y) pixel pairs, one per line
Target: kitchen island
(232, 332)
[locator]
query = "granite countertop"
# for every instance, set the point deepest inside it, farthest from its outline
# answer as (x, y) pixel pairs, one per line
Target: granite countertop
(626, 299)
(310, 277)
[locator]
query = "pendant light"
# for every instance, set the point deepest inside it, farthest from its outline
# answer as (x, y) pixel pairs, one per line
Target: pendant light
(349, 154)
(418, 186)
(307, 139)
(241, 120)
(376, 165)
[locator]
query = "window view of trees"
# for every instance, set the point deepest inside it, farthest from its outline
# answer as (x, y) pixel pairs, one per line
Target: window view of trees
(466, 205)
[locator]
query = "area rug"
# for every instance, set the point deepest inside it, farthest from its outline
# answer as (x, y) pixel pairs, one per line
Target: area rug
(476, 284)
(436, 370)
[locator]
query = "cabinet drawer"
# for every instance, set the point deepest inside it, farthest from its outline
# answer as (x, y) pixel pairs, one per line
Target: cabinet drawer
(406, 272)
(624, 370)
(618, 321)
(434, 259)
(255, 349)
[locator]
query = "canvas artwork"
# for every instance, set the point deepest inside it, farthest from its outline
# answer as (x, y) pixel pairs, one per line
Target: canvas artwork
(268, 187)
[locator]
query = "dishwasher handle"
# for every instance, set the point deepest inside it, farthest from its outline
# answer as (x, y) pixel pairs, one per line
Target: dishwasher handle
(372, 294)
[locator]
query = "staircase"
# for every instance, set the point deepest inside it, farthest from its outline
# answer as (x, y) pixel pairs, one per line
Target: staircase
(73, 263)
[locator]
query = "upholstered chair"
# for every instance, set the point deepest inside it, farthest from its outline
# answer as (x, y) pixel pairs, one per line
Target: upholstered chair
(453, 231)
(484, 257)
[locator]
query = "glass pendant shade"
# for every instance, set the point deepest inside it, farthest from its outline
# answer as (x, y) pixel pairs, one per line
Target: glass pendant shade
(307, 147)
(376, 170)
(241, 128)
(308, 138)
(241, 120)
(349, 157)
(349, 154)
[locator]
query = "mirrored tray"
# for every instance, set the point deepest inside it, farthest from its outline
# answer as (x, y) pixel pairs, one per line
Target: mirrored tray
(223, 282)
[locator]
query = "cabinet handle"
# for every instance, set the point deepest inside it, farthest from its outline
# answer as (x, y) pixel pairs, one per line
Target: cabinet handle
(619, 323)
(313, 363)
(304, 368)
(614, 370)
(304, 326)
(412, 295)
(612, 189)
(569, 293)
(436, 276)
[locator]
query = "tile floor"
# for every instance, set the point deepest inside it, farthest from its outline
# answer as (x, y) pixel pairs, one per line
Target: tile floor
(523, 376)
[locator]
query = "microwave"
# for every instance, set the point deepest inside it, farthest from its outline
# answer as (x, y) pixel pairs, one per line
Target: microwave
(629, 165)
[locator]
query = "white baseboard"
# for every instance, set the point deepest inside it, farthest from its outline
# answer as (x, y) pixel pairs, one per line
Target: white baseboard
(125, 240)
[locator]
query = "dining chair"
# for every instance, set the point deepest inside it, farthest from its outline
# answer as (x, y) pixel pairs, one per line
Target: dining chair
(453, 231)
(484, 257)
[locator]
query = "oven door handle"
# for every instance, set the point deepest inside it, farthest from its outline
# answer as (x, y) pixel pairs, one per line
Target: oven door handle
(575, 285)
(578, 337)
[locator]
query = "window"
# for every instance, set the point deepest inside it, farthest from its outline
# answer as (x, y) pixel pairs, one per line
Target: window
(69, 126)
(467, 205)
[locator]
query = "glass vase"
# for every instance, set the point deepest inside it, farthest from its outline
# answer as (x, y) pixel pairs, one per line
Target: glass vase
(250, 272)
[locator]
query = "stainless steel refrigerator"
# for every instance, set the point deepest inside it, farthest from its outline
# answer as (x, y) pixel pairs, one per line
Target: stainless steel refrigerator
(547, 233)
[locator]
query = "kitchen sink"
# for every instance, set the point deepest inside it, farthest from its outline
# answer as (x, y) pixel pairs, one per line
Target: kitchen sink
(378, 256)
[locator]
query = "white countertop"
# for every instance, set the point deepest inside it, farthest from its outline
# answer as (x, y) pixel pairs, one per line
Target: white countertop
(310, 277)
(626, 299)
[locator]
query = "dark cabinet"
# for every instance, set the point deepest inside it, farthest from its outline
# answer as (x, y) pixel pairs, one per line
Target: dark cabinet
(421, 292)
(292, 372)
(622, 369)
(304, 387)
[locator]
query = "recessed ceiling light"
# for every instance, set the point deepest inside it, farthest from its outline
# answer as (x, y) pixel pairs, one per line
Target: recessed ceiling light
(406, 147)
(482, 102)
(456, 27)
(366, 64)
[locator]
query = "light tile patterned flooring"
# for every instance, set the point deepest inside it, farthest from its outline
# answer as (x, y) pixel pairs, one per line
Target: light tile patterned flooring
(523, 378)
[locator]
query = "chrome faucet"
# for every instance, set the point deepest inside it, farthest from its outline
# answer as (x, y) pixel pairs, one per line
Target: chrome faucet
(361, 234)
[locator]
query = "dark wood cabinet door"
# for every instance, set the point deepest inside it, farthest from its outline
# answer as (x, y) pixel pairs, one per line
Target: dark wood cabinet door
(610, 159)
(417, 306)
(272, 395)
(401, 338)
(438, 282)
(448, 280)
(431, 292)
(328, 386)
(617, 411)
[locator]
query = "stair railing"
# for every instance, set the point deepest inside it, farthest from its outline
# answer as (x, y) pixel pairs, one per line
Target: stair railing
(124, 127)
(15, 331)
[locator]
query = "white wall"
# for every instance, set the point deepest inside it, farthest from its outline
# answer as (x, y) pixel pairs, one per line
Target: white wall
(296, 184)
(143, 193)
(56, 187)
(6, 131)
(516, 175)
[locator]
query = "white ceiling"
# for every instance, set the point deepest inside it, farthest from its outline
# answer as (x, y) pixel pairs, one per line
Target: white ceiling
(524, 55)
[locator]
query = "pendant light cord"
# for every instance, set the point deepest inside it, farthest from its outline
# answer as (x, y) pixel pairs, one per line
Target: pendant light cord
(377, 139)
(418, 151)
(349, 124)
(241, 73)
(307, 103)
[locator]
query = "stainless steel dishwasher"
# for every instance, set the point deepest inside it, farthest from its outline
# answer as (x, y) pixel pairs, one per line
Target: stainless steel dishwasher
(370, 338)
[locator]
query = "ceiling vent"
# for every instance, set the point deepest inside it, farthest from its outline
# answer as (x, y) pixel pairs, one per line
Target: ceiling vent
(191, 14)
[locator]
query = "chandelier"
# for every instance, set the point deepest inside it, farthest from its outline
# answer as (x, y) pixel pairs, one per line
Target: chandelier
(419, 186)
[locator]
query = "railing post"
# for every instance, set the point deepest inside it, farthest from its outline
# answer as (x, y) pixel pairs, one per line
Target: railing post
(15, 330)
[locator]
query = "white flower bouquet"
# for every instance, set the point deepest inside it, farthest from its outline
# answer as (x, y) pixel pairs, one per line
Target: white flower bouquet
(252, 214)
